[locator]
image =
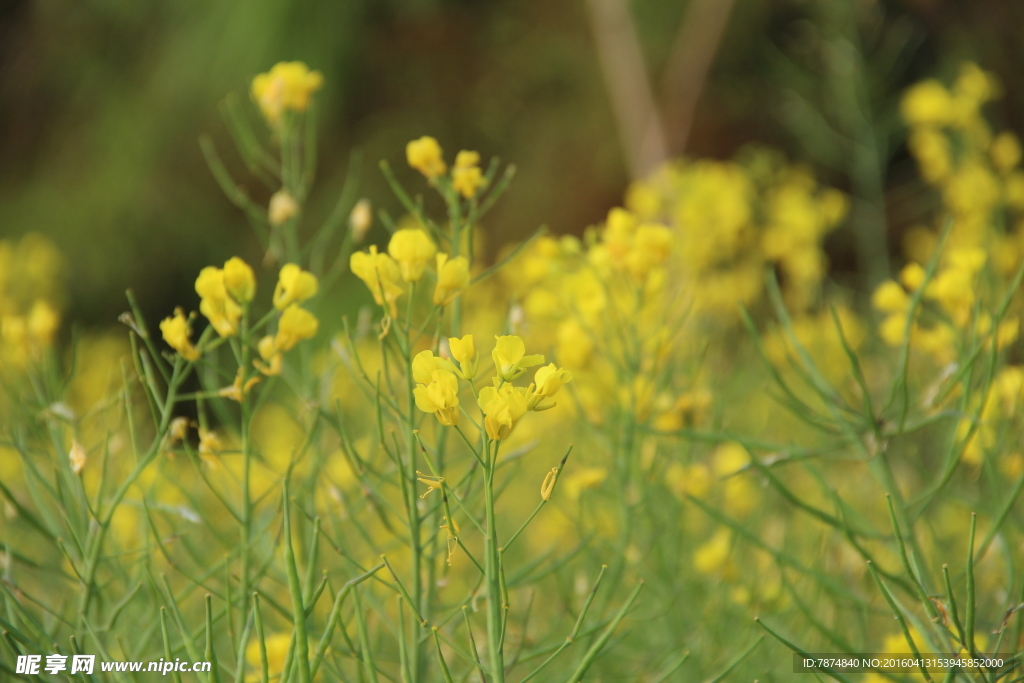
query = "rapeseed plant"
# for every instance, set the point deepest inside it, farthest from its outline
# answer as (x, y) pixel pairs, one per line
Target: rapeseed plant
(298, 498)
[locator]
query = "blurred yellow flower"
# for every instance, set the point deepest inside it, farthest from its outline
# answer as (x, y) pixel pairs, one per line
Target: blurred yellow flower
(276, 645)
(584, 478)
(381, 275)
(466, 175)
(223, 312)
(452, 278)
(176, 331)
(412, 249)
(294, 285)
(295, 325)
(426, 157)
(239, 280)
(288, 86)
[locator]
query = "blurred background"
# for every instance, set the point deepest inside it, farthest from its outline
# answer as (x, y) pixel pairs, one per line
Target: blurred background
(102, 103)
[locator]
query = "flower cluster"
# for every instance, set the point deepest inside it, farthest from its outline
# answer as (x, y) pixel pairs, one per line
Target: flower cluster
(288, 86)
(501, 403)
(981, 185)
(425, 155)
(225, 295)
(409, 252)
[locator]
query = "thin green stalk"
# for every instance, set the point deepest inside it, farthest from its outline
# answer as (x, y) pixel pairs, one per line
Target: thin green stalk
(295, 588)
(261, 639)
(898, 613)
(596, 648)
(496, 659)
(571, 638)
(167, 643)
(366, 652)
(440, 657)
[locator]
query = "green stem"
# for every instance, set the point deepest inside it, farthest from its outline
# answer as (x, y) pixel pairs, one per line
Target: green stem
(494, 602)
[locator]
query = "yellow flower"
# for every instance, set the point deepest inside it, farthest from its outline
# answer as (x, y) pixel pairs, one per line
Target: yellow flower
(440, 397)
(425, 156)
(216, 304)
(412, 249)
(294, 285)
(295, 325)
(548, 380)
(889, 297)
(651, 246)
(452, 277)
(239, 280)
(425, 363)
(712, 557)
(276, 645)
(283, 208)
(43, 322)
(464, 351)
(927, 104)
(176, 331)
(381, 275)
(466, 176)
(288, 86)
(502, 409)
(237, 390)
(1005, 151)
(509, 359)
(269, 353)
(584, 478)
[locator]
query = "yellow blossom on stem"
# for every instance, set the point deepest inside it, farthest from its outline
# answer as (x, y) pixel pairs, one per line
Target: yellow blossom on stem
(381, 275)
(464, 351)
(295, 325)
(223, 312)
(294, 285)
(176, 331)
(425, 363)
(466, 176)
(412, 249)
(288, 86)
(239, 280)
(546, 383)
(502, 409)
(237, 390)
(440, 396)
(269, 353)
(509, 357)
(452, 278)
(426, 157)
